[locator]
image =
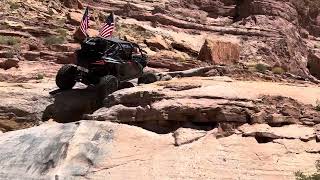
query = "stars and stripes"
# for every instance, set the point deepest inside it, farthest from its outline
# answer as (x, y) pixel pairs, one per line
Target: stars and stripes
(108, 27)
(85, 22)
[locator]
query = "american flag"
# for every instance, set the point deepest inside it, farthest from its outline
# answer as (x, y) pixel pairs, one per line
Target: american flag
(85, 22)
(108, 27)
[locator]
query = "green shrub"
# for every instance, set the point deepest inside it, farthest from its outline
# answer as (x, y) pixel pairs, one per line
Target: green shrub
(61, 22)
(62, 32)
(262, 68)
(14, 5)
(316, 176)
(39, 76)
(9, 54)
(181, 59)
(9, 40)
(57, 39)
(278, 70)
(51, 40)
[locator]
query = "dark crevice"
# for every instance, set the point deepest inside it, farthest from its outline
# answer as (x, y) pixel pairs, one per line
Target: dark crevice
(165, 127)
(263, 140)
(281, 124)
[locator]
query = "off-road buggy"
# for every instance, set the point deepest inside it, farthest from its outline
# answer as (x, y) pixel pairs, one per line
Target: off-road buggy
(107, 62)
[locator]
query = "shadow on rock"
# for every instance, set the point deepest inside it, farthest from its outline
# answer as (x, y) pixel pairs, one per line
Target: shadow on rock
(69, 106)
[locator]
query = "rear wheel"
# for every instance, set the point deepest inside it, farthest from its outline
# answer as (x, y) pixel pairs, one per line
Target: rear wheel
(147, 78)
(108, 84)
(66, 77)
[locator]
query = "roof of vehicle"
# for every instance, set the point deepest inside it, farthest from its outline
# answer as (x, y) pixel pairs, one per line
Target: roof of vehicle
(116, 40)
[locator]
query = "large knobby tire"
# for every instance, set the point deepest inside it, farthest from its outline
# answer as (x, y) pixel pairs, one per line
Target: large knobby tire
(66, 77)
(108, 84)
(147, 78)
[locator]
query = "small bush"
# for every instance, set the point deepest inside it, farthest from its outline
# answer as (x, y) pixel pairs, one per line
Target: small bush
(316, 176)
(181, 59)
(57, 39)
(39, 76)
(62, 32)
(9, 40)
(261, 68)
(51, 40)
(278, 70)
(61, 22)
(14, 5)
(10, 54)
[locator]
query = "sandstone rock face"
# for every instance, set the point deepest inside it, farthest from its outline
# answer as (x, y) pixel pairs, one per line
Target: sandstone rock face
(218, 52)
(221, 121)
(232, 121)
(22, 106)
(74, 18)
(92, 149)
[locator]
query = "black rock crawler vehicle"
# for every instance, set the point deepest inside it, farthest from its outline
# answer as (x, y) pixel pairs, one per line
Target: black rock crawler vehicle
(110, 63)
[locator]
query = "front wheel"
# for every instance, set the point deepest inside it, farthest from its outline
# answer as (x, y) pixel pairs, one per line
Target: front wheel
(66, 77)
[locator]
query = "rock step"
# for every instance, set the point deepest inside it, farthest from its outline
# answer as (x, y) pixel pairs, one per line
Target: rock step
(15, 33)
(6, 63)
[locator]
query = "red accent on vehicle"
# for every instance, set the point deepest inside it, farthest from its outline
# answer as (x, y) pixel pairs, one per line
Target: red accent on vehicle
(101, 62)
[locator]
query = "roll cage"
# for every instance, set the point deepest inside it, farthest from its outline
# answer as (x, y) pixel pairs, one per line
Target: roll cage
(116, 48)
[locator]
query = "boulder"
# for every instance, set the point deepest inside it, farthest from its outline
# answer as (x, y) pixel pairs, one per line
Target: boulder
(183, 47)
(281, 9)
(219, 52)
(9, 63)
(74, 18)
(157, 42)
(79, 36)
(184, 136)
(314, 64)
